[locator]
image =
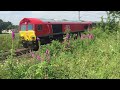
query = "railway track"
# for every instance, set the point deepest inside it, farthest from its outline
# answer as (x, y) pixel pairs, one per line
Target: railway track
(17, 52)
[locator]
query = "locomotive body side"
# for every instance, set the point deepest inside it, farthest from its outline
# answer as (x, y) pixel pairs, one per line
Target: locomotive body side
(45, 30)
(55, 28)
(74, 27)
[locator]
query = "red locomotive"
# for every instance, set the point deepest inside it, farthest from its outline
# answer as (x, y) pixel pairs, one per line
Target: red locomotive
(33, 28)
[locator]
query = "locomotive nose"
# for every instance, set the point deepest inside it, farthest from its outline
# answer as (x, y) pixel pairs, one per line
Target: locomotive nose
(28, 35)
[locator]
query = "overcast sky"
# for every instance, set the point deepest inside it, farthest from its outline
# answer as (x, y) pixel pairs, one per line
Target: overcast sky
(16, 16)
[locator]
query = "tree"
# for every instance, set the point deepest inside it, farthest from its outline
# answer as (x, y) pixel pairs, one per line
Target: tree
(1, 20)
(115, 14)
(7, 25)
(1, 25)
(64, 20)
(112, 20)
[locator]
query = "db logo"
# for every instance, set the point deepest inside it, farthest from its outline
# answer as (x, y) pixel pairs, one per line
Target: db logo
(27, 33)
(67, 27)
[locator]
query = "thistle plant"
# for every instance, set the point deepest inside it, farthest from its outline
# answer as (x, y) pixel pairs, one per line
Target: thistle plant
(38, 39)
(38, 57)
(47, 55)
(83, 36)
(13, 37)
(34, 56)
(90, 36)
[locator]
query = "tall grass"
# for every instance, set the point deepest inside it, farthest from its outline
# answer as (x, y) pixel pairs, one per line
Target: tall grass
(83, 59)
(6, 42)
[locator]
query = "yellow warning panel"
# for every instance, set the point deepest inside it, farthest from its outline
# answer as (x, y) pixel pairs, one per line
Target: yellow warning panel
(27, 35)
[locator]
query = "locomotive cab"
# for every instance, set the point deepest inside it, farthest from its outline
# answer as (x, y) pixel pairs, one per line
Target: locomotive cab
(27, 32)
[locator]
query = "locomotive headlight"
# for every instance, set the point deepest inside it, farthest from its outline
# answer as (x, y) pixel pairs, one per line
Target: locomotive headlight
(22, 37)
(33, 38)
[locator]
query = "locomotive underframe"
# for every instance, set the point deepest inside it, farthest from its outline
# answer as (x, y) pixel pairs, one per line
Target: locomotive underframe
(33, 45)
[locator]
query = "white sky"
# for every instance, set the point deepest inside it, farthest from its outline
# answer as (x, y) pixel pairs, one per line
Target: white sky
(16, 16)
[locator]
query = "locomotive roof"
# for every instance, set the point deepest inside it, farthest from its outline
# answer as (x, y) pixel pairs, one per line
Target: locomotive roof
(38, 21)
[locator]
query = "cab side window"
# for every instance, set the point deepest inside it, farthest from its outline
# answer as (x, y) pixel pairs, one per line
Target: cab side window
(39, 27)
(90, 26)
(85, 27)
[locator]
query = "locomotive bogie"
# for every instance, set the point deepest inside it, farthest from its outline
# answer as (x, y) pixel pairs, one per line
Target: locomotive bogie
(33, 45)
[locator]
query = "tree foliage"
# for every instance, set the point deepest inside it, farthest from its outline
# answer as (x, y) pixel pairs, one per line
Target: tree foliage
(112, 21)
(115, 14)
(7, 25)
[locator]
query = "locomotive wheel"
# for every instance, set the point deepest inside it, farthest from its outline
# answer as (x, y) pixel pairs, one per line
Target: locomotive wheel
(36, 46)
(79, 34)
(25, 45)
(60, 38)
(44, 40)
